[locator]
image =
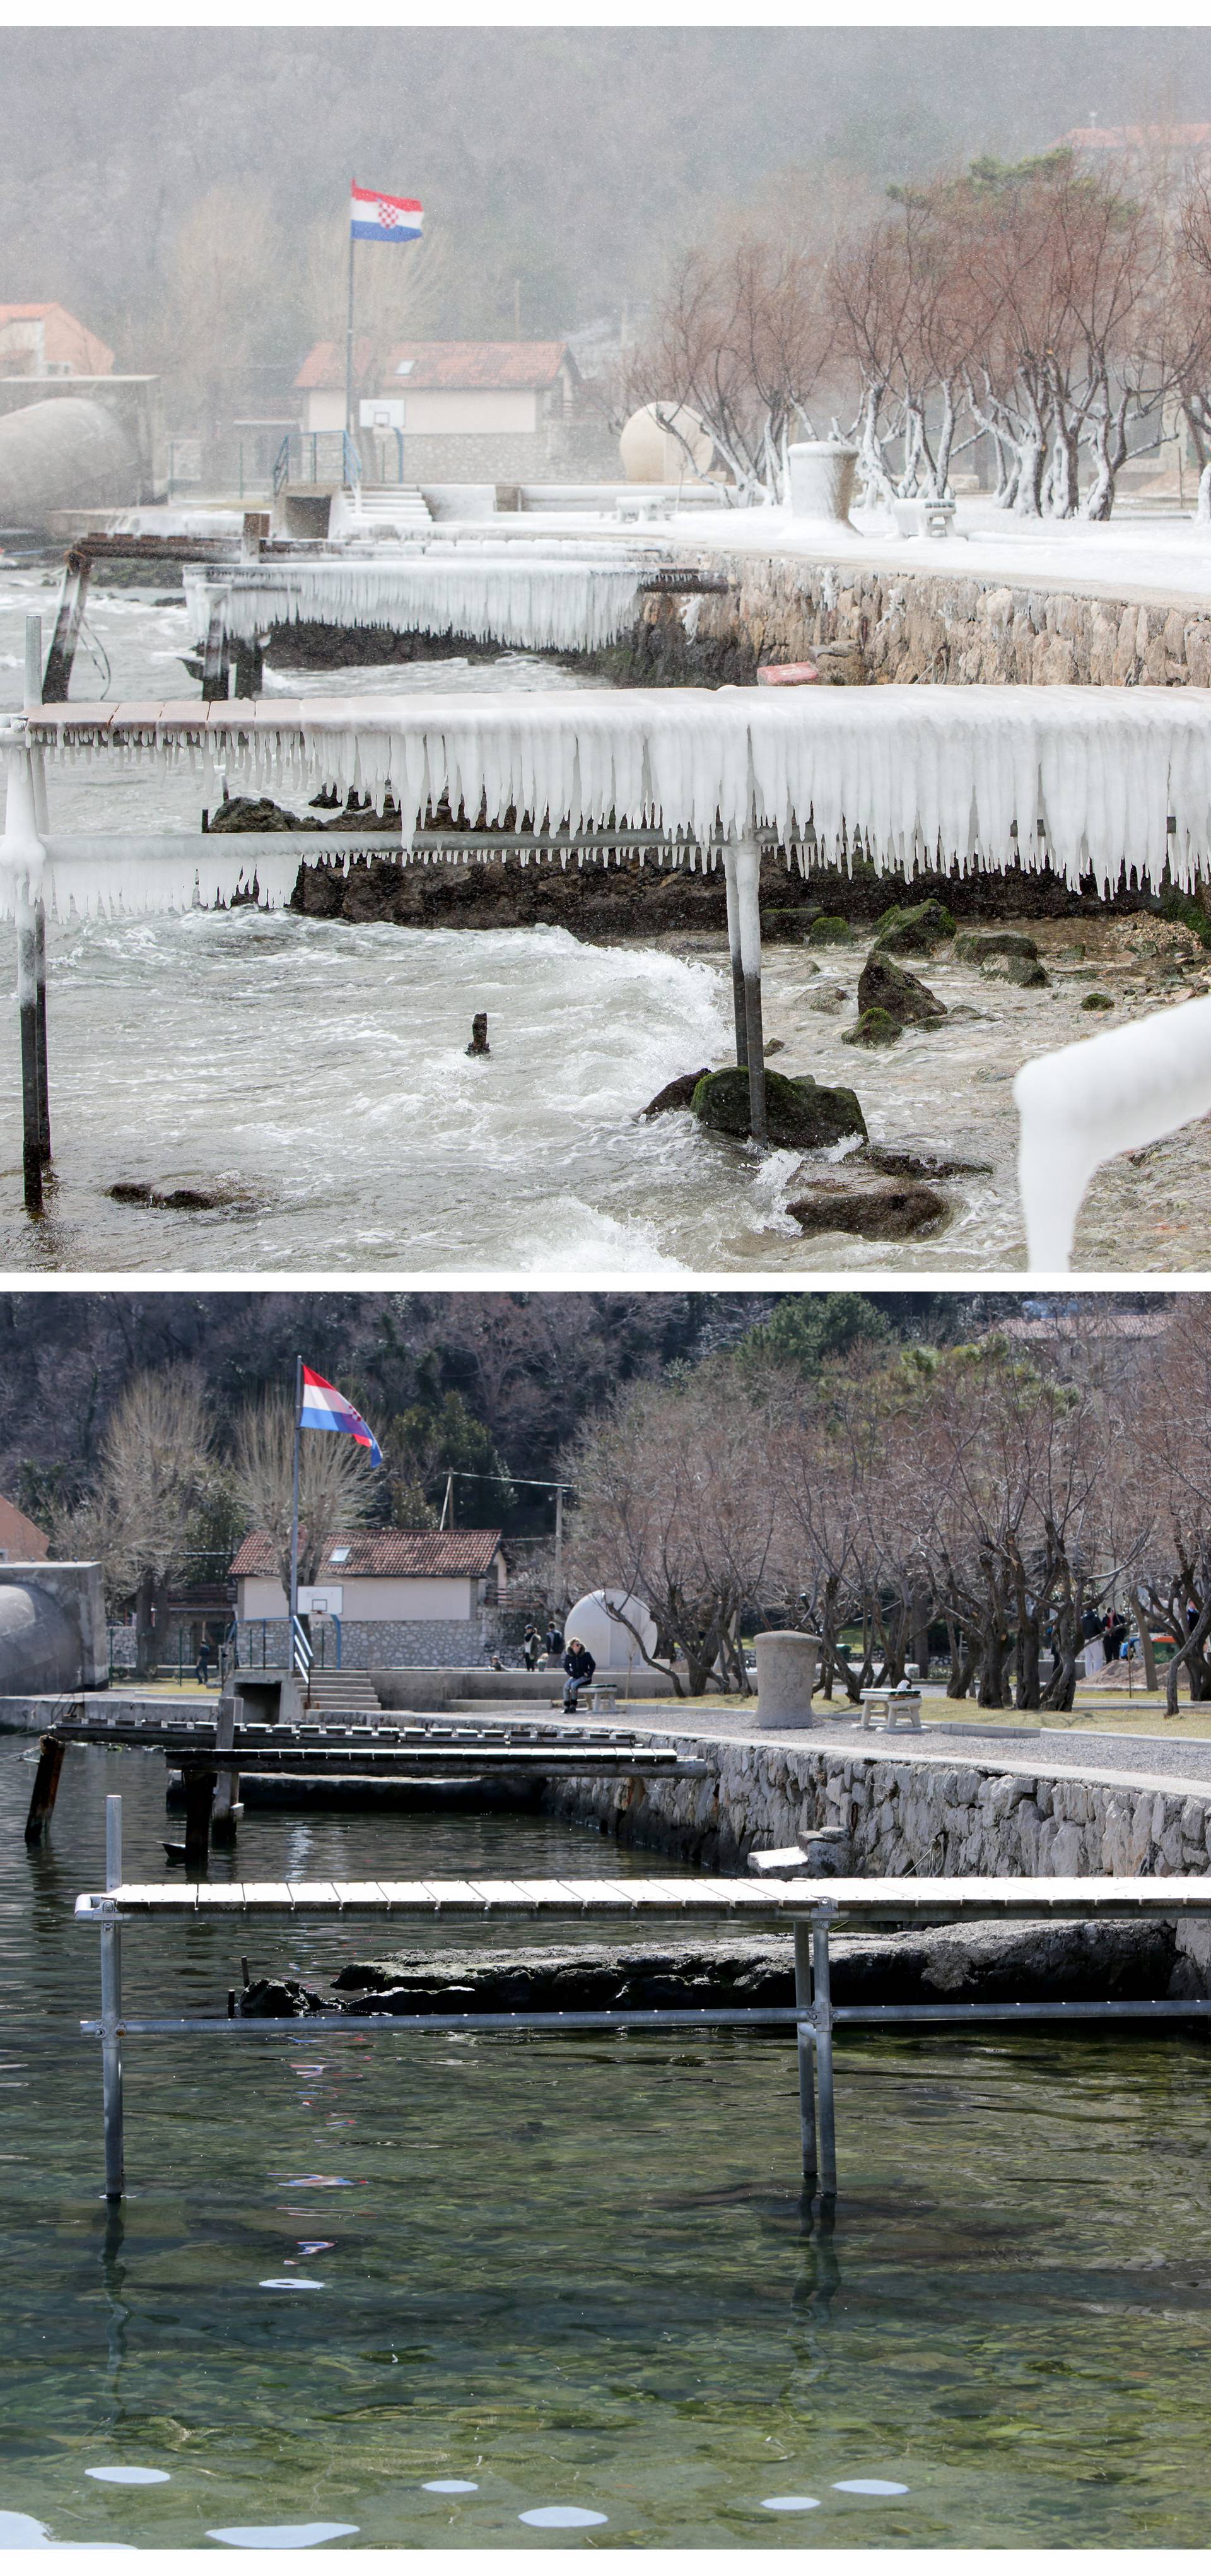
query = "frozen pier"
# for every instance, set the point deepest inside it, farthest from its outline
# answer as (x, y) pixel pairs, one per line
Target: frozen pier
(1079, 780)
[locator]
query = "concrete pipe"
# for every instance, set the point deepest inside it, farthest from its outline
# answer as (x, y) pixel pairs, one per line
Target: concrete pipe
(67, 453)
(786, 1677)
(822, 479)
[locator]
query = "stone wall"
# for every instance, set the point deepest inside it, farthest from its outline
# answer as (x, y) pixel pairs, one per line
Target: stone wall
(914, 625)
(906, 1818)
(366, 1642)
(558, 452)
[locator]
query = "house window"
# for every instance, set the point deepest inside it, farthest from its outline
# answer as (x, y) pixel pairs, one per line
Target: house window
(340, 1555)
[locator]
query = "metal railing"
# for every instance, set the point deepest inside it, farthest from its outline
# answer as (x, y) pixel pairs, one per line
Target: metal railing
(317, 456)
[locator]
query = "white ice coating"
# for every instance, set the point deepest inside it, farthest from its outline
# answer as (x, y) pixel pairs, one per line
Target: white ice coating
(1083, 779)
(1108, 1095)
(540, 602)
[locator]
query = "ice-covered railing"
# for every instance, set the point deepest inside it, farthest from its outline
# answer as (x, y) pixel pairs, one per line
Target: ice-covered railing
(1082, 779)
(542, 603)
(1108, 1095)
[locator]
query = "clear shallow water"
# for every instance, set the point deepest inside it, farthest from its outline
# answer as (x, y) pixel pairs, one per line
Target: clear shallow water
(574, 2273)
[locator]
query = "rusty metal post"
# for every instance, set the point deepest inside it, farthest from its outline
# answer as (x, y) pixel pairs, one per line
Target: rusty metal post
(56, 684)
(46, 1788)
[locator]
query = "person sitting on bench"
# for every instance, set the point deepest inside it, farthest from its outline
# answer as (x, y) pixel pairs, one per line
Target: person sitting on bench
(580, 1667)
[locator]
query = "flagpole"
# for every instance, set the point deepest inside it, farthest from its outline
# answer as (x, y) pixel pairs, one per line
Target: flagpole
(294, 1512)
(349, 335)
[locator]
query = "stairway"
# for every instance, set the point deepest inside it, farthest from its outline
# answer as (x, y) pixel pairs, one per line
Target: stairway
(343, 1695)
(382, 505)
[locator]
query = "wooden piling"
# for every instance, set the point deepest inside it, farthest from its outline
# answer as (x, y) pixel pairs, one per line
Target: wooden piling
(46, 1788)
(199, 1799)
(249, 669)
(56, 682)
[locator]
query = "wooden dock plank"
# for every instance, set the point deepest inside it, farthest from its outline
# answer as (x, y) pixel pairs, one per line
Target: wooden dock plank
(851, 1900)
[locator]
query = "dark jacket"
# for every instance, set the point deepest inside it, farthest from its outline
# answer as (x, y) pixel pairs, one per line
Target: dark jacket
(579, 1664)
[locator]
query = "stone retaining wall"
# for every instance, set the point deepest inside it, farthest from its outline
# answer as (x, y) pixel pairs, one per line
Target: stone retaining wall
(916, 625)
(910, 1818)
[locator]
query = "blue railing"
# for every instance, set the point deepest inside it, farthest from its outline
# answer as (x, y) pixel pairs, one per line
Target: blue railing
(317, 456)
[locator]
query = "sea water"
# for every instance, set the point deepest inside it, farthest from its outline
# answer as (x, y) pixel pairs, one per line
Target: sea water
(427, 2290)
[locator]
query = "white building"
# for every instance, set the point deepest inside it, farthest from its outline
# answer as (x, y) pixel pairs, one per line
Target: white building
(400, 1596)
(445, 388)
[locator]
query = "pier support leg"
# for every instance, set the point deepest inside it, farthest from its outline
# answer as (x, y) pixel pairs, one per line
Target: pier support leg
(46, 1788)
(807, 2054)
(56, 682)
(27, 1005)
(249, 669)
(216, 663)
(33, 698)
(733, 943)
(199, 1798)
(111, 2011)
(227, 1790)
(823, 2018)
(748, 879)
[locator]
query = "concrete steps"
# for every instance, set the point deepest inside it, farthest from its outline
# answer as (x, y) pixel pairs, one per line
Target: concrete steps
(385, 505)
(343, 1695)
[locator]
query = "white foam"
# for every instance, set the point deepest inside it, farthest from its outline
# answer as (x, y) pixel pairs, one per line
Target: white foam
(451, 2486)
(282, 2535)
(869, 2486)
(297, 2281)
(790, 2504)
(130, 2477)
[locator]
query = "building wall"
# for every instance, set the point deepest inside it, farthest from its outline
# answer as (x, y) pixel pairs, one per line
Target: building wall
(371, 1597)
(438, 412)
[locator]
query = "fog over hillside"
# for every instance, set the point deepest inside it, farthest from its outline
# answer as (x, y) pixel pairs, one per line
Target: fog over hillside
(166, 184)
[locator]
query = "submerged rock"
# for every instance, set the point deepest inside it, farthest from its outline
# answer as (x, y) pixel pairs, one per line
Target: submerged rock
(919, 1162)
(862, 1202)
(677, 1094)
(875, 1028)
(798, 1110)
(884, 986)
(1098, 1002)
(915, 929)
(1026, 971)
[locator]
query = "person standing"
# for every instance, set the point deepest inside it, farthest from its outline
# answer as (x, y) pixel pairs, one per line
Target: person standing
(531, 1647)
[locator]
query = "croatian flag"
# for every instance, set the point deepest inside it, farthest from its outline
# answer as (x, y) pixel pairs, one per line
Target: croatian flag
(373, 217)
(326, 1409)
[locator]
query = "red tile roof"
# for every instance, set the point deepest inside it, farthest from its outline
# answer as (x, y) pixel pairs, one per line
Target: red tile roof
(379, 1552)
(65, 341)
(448, 366)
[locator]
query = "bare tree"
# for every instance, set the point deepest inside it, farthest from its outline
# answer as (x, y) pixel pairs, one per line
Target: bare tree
(742, 341)
(155, 1471)
(336, 1483)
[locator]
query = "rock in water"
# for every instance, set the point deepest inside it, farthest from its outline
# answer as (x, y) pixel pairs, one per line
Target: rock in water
(1018, 970)
(915, 929)
(919, 1162)
(479, 1035)
(828, 930)
(973, 946)
(798, 1110)
(875, 1028)
(884, 986)
(860, 1203)
(677, 1094)
(253, 814)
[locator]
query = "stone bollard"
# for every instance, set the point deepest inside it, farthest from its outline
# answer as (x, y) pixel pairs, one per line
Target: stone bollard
(479, 1035)
(786, 1677)
(822, 478)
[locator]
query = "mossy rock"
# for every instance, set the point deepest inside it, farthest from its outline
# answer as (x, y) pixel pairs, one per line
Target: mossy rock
(785, 921)
(973, 946)
(1027, 972)
(1098, 1002)
(253, 814)
(884, 986)
(875, 1028)
(915, 929)
(798, 1110)
(828, 930)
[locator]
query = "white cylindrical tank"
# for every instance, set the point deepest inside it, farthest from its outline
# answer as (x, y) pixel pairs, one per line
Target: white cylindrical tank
(654, 453)
(68, 453)
(612, 1646)
(786, 1677)
(822, 478)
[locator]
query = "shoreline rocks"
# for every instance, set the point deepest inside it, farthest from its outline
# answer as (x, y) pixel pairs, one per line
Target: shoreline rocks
(799, 1111)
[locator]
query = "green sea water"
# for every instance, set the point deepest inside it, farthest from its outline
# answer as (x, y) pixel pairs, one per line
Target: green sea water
(571, 2273)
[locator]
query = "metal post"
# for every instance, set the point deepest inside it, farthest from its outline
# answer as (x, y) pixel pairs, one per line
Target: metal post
(292, 1614)
(37, 764)
(559, 1602)
(215, 662)
(823, 2021)
(24, 853)
(807, 2071)
(748, 882)
(111, 2010)
(46, 1787)
(733, 942)
(223, 1816)
(33, 661)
